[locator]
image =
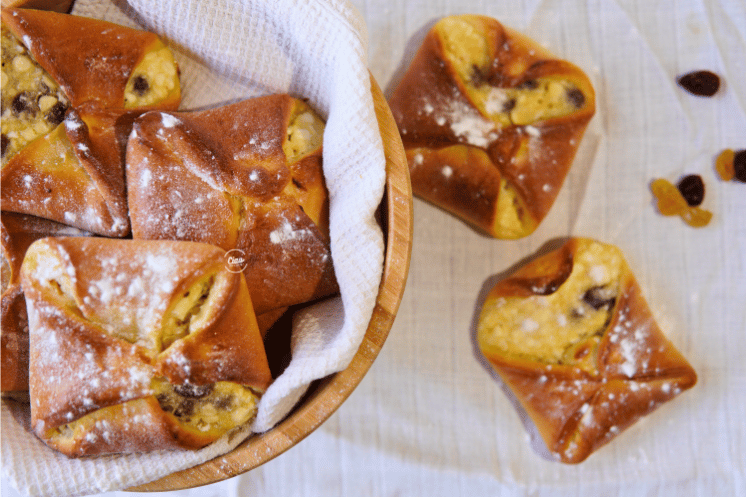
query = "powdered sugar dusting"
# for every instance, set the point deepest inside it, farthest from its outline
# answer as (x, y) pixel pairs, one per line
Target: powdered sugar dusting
(169, 120)
(286, 233)
(496, 100)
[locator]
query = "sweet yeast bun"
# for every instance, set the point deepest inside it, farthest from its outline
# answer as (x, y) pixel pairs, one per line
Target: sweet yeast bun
(490, 122)
(138, 345)
(71, 88)
(572, 336)
(17, 232)
(246, 177)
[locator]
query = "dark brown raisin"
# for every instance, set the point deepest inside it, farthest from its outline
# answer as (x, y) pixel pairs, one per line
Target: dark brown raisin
(739, 166)
(224, 402)
(56, 114)
(141, 85)
(496, 79)
(598, 297)
(529, 84)
(186, 408)
(477, 76)
(509, 105)
(576, 97)
(692, 188)
(5, 141)
(701, 83)
(22, 103)
(192, 391)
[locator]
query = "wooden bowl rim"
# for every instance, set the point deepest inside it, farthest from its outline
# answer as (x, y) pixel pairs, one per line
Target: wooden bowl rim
(315, 407)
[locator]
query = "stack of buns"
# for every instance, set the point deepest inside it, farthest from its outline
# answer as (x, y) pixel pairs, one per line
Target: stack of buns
(145, 251)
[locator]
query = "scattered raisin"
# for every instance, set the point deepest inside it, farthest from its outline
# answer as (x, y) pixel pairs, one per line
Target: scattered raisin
(670, 200)
(5, 141)
(192, 391)
(140, 85)
(21, 103)
(477, 76)
(700, 83)
(576, 97)
(696, 217)
(598, 297)
(692, 188)
(186, 408)
(724, 164)
(298, 184)
(56, 114)
(529, 84)
(509, 105)
(739, 165)
(224, 402)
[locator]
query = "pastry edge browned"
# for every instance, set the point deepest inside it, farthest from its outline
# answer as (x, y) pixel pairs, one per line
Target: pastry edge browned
(565, 418)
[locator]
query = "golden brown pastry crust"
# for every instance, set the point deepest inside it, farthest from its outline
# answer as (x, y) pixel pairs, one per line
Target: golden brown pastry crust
(614, 376)
(100, 313)
(18, 232)
(221, 176)
(462, 159)
(90, 59)
(75, 173)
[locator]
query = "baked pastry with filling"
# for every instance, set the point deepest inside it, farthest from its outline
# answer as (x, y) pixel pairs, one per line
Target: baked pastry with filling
(490, 122)
(138, 345)
(18, 231)
(71, 87)
(246, 177)
(572, 336)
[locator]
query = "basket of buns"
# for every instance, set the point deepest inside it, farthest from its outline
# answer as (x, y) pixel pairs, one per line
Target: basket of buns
(206, 235)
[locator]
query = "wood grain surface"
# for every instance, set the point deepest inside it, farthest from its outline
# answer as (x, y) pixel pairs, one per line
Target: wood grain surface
(327, 395)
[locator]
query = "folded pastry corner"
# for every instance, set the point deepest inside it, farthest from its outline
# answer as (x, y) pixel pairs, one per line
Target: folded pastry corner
(71, 88)
(138, 345)
(18, 232)
(246, 177)
(490, 122)
(572, 336)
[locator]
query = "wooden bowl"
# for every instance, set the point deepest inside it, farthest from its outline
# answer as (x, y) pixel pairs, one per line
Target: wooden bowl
(328, 394)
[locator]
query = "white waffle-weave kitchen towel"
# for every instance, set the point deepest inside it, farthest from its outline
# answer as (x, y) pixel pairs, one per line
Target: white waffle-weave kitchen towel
(229, 50)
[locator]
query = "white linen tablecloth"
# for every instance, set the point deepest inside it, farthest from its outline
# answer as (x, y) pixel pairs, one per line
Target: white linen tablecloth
(430, 419)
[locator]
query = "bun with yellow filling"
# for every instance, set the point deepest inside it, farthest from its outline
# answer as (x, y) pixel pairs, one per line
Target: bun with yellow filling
(572, 336)
(246, 177)
(138, 345)
(71, 88)
(18, 232)
(490, 122)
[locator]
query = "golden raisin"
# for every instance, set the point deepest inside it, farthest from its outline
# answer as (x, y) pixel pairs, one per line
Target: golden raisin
(670, 200)
(696, 217)
(724, 164)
